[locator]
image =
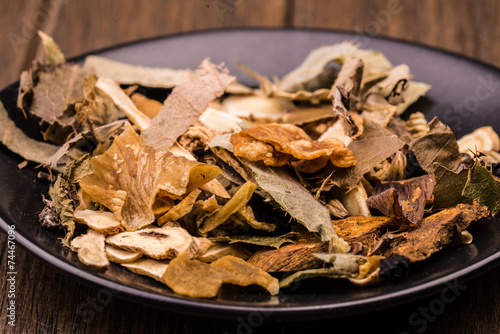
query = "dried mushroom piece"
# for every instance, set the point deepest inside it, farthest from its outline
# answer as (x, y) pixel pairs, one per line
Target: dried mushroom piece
(436, 231)
(119, 255)
(276, 144)
(148, 267)
(90, 249)
(100, 221)
(128, 177)
(158, 243)
(194, 278)
(403, 199)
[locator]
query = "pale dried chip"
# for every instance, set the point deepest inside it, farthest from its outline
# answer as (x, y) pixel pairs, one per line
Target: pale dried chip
(185, 105)
(307, 114)
(218, 250)
(197, 279)
(148, 267)
(354, 201)
(123, 102)
(119, 255)
(483, 139)
(127, 74)
(287, 139)
(221, 121)
(90, 249)
(128, 176)
(100, 221)
(158, 243)
(258, 107)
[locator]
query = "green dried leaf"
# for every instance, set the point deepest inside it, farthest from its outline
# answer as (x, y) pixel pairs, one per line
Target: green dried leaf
(63, 193)
(484, 189)
(439, 146)
(293, 198)
(53, 54)
(268, 241)
(370, 149)
(449, 187)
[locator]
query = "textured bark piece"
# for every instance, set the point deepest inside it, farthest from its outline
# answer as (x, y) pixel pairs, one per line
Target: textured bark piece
(185, 105)
(403, 199)
(366, 230)
(436, 231)
(297, 256)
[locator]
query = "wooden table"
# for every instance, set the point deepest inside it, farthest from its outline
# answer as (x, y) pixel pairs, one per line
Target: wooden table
(50, 302)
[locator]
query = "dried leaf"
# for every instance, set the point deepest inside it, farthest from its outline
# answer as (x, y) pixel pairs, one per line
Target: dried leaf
(414, 91)
(53, 54)
(484, 188)
(128, 176)
(64, 193)
(449, 187)
(439, 146)
(185, 105)
(197, 279)
(370, 149)
(126, 74)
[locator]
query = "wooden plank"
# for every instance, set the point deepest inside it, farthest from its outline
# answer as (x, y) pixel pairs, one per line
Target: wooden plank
(20, 20)
(466, 27)
(81, 26)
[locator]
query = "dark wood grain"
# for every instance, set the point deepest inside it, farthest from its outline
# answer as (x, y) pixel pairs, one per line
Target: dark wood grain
(50, 302)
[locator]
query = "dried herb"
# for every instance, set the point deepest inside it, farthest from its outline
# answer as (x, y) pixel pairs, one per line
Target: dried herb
(484, 188)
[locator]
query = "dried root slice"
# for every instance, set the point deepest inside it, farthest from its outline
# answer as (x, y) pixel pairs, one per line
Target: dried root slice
(147, 267)
(100, 221)
(218, 250)
(258, 107)
(480, 140)
(90, 249)
(194, 278)
(119, 255)
(157, 243)
(220, 120)
(276, 144)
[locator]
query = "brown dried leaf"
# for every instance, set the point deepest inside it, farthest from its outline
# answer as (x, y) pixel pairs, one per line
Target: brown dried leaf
(185, 105)
(128, 176)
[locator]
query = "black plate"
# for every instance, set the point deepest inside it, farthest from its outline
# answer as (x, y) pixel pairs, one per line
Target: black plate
(464, 95)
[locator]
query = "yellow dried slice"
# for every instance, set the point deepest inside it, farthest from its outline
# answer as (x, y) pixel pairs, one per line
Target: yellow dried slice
(100, 221)
(90, 249)
(157, 243)
(197, 279)
(148, 267)
(181, 209)
(128, 176)
(119, 255)
(239, 200)
(282, 140)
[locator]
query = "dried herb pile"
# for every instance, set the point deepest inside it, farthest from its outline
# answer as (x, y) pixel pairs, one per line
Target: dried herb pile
(315, 174)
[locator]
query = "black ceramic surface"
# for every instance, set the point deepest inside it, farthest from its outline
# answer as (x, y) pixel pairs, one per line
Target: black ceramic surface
(464, 94)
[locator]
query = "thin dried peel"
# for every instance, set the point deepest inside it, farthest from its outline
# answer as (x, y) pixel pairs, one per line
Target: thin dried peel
(197, 279)
(128, 176)
(276, 144)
